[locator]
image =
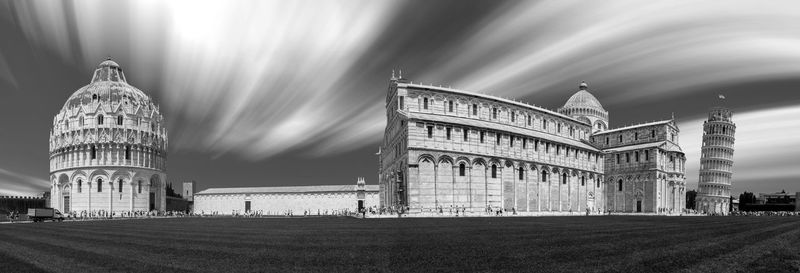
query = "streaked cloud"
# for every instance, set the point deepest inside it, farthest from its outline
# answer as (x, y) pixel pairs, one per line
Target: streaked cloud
(17, 184)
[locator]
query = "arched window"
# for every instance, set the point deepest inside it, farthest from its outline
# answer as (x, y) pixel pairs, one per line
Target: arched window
(80, 185)
(119, 185)
(127, 151)
(140, 186)
(462, 169)
(619, 185)
(99, 185)
(100, 120)
(544, 176)
(425, 103)
(450, 106)
(521, 173)
(564, 178)
(94, 152)
(494, 171)
(119, 120)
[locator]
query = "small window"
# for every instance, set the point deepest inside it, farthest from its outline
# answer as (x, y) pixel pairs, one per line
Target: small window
(100, 120)
(529, 120)
(619, 185)
(598, 183)
(544, 176)
(119, 120)
(474, 109)
(462, 169)
(448, 133)
(617, 158)
(513, 117)
(646, 155)
(99, 185)
(620, 138)
(482, 135)
(521, 173)
(402, 103)
(94, 152)
(510, 141)
(425, 103)
(430, 131)
(497, 137)
(119, 185)
(583, 181)
(94, 96)
(128, 152)
(466, 134)
(636, 154)
(544, 124)
(564, 178)
(494, 171)
(450, 106)
(627, 157)
(140, 186)
(653, 133)
(536, 145)
(636, 136)
(606, 140)
(494, 113)
(559, 128)
(80, 185)
(524, 143)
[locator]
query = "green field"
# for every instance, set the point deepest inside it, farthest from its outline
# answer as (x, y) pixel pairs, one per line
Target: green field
(571, 244)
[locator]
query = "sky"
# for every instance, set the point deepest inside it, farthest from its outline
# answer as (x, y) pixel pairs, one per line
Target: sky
(275, 93)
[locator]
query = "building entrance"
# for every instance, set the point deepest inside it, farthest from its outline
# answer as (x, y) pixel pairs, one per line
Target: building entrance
(638, 205)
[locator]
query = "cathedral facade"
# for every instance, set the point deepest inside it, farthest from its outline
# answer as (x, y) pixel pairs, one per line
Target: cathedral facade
(108, 148)
(449, 149)
(716, 162)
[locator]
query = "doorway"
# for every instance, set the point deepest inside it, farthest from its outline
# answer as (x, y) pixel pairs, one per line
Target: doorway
(152, 201)
(638, 205)
(246, 206)
(66, 204)
(360, 205)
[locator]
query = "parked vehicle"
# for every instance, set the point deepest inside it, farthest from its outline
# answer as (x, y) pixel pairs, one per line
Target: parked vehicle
(42, 214)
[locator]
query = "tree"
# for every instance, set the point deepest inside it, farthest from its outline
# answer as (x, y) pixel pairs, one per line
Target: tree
(745, 199)
(690, 196)
(171, 192)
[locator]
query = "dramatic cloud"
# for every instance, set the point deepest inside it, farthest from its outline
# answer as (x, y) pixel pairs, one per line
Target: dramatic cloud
(16, 184)
(767, 148)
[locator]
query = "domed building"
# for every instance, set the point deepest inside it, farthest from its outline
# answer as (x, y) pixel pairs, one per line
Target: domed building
(585, 107)
(108, 148)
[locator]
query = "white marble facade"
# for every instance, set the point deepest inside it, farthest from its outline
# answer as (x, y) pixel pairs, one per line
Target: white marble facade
(108, 148)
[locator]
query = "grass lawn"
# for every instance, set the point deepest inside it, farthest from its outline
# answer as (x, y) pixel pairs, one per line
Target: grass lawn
(570, 244)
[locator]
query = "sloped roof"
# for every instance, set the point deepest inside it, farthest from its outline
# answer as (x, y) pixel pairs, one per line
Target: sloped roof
(634, 126)
(291, 189)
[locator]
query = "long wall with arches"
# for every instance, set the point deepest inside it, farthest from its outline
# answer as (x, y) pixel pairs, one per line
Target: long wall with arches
(446, 149)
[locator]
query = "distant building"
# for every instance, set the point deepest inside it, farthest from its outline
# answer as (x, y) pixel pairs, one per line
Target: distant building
(445, 148)
(716, 162)
(108, 148)
(778, 201)
(281, 200)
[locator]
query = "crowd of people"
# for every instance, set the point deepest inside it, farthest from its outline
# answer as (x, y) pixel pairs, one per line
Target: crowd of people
(765, 213)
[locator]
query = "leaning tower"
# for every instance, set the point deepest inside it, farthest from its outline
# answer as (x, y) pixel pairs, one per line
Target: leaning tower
(716, 162)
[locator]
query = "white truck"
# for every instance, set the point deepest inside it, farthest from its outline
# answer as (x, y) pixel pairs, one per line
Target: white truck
(42, 214)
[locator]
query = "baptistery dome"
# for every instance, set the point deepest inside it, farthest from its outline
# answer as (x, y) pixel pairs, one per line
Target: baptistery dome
(108, 148)
(585, 107)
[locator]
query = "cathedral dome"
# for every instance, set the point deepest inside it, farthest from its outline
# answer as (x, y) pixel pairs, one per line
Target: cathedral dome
(585, 107)
(583, 99)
